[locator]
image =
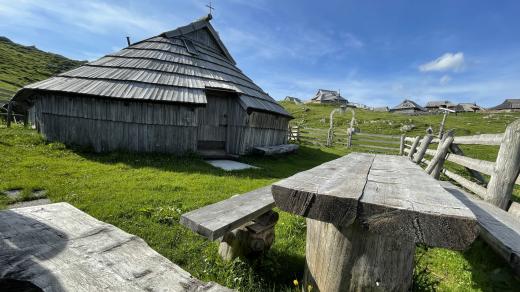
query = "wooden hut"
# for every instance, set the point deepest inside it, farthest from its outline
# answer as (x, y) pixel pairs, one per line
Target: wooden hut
(508, 105)
(468, 108)
(176, 92)
(408, 107)
(328, 97)
(433, 106)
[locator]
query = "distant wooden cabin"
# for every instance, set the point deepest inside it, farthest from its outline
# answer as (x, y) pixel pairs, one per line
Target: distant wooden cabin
(433, 106)
(176, 92)
(468, 108)
(381, 109)
(293, 99)
(408, 107)
(328, 97)
(508, 105)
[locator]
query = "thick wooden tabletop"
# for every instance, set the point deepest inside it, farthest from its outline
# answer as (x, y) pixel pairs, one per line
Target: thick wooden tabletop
(386, 194)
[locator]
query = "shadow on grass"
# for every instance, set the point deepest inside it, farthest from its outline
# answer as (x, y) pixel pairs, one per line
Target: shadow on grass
(489, 271)
(276, 167)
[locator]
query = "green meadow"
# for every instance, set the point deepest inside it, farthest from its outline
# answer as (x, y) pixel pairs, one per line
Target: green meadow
(145, 194)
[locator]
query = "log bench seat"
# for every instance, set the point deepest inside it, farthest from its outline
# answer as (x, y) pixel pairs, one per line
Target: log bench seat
(243, 223)
(57, 247)
(275, 150)
(498, 228)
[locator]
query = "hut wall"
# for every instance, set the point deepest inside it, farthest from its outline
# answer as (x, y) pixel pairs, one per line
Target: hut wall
(108, 125)
(264, 129)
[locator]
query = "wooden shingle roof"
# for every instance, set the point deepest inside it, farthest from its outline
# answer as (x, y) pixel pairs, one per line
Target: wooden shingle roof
(508, 104)
(163, 68)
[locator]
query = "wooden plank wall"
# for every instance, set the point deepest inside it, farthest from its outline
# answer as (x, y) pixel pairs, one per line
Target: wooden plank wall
(108, 125)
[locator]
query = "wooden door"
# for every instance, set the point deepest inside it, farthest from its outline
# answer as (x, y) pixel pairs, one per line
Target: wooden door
(213, 122)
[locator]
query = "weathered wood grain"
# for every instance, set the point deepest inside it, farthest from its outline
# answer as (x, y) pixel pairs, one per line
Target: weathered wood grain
(482, 166)
(378, 147)
(499, 229)
(214, 220)
(401, 200)
(474, 187)
(59, 248)
(329, 192)
(483, 139)
(437, 161)
(276, 149)
(422, 149)
(514, 210)
(507, 167)
(343, 259)
(401, 145)
(414, 147)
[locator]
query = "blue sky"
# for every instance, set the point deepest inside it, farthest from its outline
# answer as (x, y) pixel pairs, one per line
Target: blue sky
(377, 52)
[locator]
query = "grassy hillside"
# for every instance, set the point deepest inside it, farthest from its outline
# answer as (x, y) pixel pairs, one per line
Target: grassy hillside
(21, 65)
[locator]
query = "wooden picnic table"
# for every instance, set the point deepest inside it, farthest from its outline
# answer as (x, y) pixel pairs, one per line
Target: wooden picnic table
(365, 214)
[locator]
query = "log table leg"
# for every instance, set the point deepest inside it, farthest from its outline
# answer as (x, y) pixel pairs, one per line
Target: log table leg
(355, 259)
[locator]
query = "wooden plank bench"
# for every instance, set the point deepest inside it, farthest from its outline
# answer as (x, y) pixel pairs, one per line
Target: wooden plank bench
(501, 228)
(244, 223)
(275, 150)
(60, 248)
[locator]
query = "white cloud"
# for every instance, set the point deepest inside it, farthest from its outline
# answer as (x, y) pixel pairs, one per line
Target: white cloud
(445, 80)
(447, 62)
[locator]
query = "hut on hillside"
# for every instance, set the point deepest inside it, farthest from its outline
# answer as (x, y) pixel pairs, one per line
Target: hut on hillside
(381, 109)
(433, 106)
(508, 105)
(408, 107)
(177, 92)
(468, 108)
(328, 97)
(293, 99)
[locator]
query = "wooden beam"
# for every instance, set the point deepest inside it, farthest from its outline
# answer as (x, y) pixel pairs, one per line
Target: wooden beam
(483, 139)
(483, 166)
(414, 147)
(436, 172)
(401, 145)
(377, 147)
(454, 148)
(473, 187)
(438, 158)
(379, 135)
(377, 141)
(506, 169)
(422, 150)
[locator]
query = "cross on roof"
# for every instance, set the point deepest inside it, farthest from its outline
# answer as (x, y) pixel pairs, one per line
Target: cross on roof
(210, 8)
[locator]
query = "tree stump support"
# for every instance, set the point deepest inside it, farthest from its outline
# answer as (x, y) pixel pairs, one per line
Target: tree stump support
(252, 239)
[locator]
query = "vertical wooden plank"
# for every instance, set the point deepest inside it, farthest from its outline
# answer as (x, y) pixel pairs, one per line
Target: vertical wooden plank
(507, 167)
(438, 160)
(401, 145)
(424, 146)
(414, 147)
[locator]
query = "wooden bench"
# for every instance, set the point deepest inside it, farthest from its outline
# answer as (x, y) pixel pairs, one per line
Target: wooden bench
(244, 223)
(490, 202)
(60, 248)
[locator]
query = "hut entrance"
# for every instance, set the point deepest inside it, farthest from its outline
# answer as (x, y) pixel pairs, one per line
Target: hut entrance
(213, 124)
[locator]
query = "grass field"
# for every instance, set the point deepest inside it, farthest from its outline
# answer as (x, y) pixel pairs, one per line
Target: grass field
(21, 65)
(145, 194)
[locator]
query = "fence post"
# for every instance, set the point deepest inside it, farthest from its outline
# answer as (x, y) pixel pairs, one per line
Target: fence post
(437, 162)
(401, 146)
(424, 146)
(506, 169)
(414, 147)
(349, 138)
(441, 128)
(9, 113)
(436, 171)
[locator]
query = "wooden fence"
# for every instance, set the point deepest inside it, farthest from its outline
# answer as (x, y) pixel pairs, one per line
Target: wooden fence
(346, 138)
(503, 172)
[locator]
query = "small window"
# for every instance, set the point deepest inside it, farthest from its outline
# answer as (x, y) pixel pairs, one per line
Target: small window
(190, 47)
